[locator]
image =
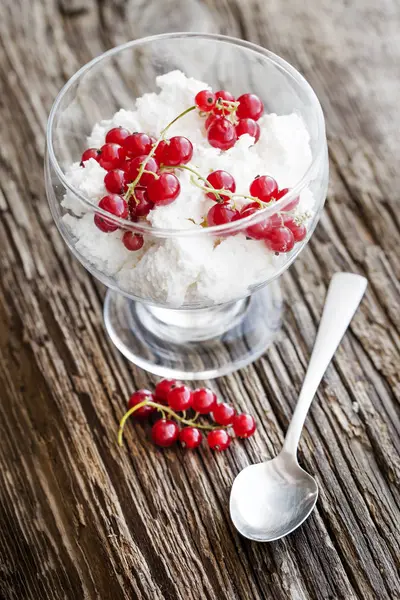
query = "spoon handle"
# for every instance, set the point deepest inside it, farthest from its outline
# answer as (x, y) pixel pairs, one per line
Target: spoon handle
(344, 296)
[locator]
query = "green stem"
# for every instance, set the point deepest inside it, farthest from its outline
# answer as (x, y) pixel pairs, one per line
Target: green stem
(163, 409)
(231, 195)
(131, 186)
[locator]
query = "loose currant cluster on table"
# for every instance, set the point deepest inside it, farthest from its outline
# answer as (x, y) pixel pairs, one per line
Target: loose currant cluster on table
(171, 397)
(141, 174)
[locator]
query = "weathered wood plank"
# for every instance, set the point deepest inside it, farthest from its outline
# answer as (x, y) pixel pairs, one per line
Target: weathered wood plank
(81, 518)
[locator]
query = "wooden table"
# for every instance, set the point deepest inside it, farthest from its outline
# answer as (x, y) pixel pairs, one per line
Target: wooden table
(81, 519)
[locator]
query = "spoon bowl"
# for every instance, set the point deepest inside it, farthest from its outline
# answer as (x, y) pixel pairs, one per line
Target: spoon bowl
(269, 500)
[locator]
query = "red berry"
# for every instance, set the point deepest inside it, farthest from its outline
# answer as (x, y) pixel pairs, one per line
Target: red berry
(292, 204)
(134, 166)
(137, 144)
(219, 108)
(218, 439)
(89, 153)
(259, 229)
(164, 190)
(180, 398)
(205, 100)
(221, 180)
(124, 166)
(276, 220)
(139, 204)
(250, 107)
(265, 188)
(115, 205)
(204, 401)
(115, 181)
(132, 241)
(190, 437)
(178, 151)
(137, 398)
(117, 135)
(210, 119)
(164, 433)
(299, 231)
(219, 214)
(244, 425)
(159, 152)
(223, 413)
(280, 239)
(163, 388)
(248, 126)
(254, 204)
(221, 134)
(111, 156)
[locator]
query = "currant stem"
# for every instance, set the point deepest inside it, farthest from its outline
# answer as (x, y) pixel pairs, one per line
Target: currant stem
(208, 184)
(134, 183)
(231, 195)
(163, 409)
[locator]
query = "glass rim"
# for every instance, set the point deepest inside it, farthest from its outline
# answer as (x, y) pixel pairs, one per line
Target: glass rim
(235, 226)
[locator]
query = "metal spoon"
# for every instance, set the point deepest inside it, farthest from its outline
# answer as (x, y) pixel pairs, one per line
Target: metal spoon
(271, 499)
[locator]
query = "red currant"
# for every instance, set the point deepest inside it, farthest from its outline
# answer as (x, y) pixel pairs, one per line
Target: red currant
(164, 190)
(221, 134)
(204, 401)
(218, 439)
(220, 108)
(137, 398)
(124, 166)
(137, 144)
(244, 425)
(280, 239)
(250, 107)
(132, 241)
(115, 181)
(180, 398)
(164, 433)
(258, 230)
(248, 126)
(299, 231)
(190, 437)
(254, 204)
(178, 151)
(89, 153)
(115, 205)
(159, 152)
(139, 204)
(223, 413)
(219, 214)
(292, 204)
(221, 180)
(265, 188)
(117, 135)
(276, 220)
(205, 100)
(210, 119)
(163, 388)
(134, 166)
(111, 156)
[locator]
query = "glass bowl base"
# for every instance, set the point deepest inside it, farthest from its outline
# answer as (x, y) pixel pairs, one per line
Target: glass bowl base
(194, 344)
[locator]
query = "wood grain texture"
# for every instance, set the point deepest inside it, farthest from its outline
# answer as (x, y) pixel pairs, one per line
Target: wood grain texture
(81, 519)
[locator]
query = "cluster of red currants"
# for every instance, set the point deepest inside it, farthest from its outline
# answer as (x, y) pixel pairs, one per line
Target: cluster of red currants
(227, 118)
(279, 232)
(171, 397)
(133, 180)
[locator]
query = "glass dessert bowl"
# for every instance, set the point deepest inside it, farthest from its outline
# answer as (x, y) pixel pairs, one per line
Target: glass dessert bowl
(186, 203)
